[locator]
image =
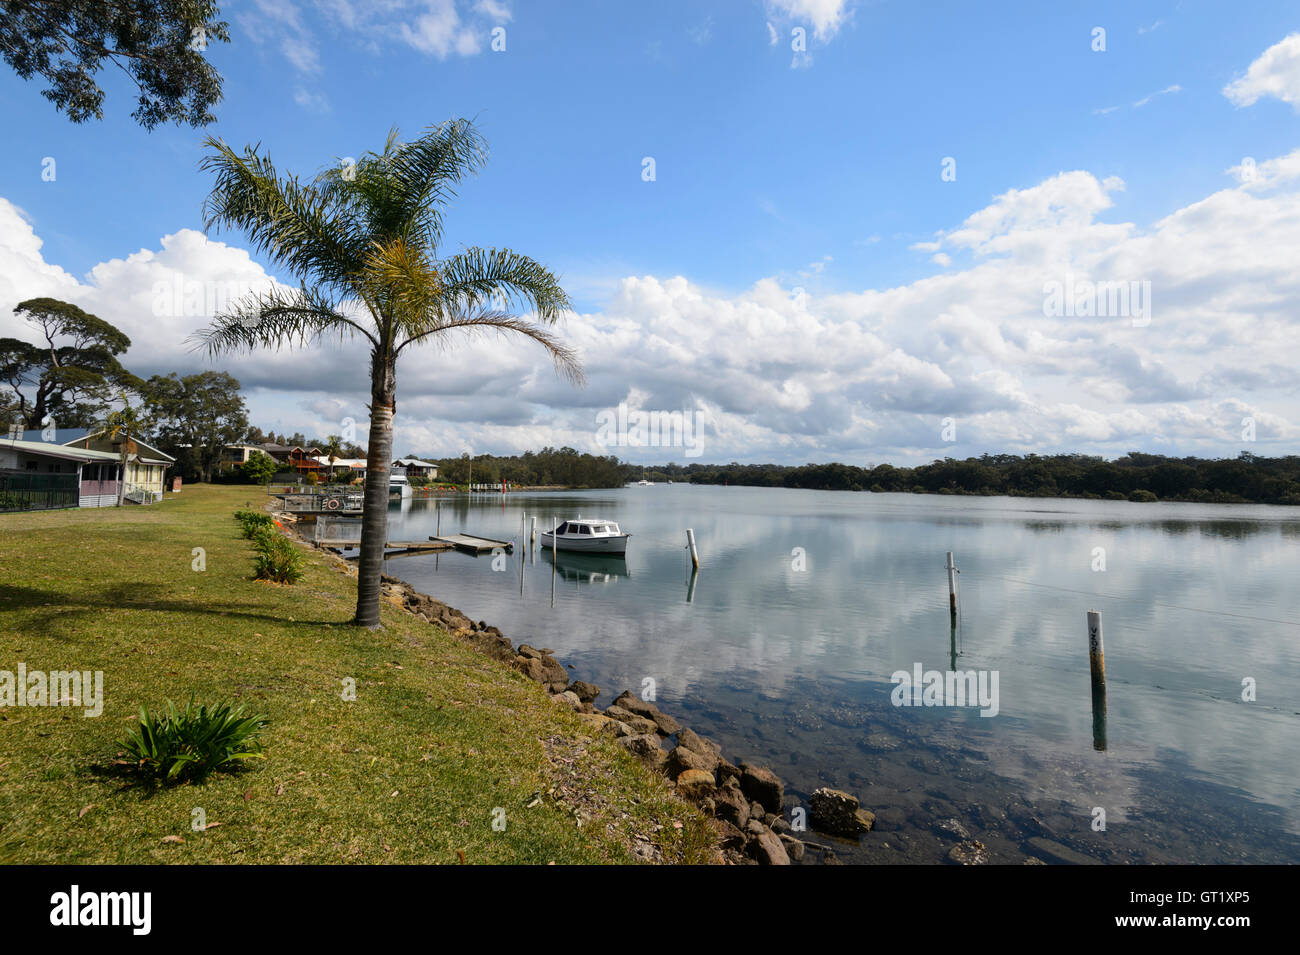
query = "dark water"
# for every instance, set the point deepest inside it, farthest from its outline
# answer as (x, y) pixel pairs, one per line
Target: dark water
(791, 667)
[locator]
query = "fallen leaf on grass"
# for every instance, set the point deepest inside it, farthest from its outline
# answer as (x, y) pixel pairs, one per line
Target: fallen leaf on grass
(460, 854)
(248, 794)
(173, 839)
(85, 809)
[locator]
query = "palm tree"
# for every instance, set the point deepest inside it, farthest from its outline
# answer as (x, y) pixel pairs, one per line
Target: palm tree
(362, 240)
(333, 451)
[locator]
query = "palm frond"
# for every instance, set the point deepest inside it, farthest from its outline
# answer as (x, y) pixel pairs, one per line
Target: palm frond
(477, 278)
(402, 283)
(275, 319)
(566, 360)
(294, 224)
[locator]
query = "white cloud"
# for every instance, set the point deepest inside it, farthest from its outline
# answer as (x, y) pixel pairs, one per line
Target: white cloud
(315, 102)
(858, 376)
(439, 28)
(1175, 88)
(1267, 174)
(826, 16)
(1275, 73)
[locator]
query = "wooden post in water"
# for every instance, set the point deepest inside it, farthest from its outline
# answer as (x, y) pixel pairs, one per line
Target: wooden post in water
(690, 543)
(1096, 649)
(533, 536)
(1097, 662)
(952, 585)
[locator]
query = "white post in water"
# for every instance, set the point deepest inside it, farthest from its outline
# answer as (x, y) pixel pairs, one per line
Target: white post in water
(690, 543)
(1096, 650)
(952, 585)
(532, 537)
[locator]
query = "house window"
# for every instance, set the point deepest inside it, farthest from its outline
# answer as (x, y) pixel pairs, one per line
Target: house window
(31, 465)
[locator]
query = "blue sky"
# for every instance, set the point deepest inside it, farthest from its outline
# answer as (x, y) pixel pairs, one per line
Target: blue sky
(817, 171)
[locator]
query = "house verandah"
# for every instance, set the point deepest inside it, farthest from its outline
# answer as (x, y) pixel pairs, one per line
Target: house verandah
(38, 475)
(87, 471)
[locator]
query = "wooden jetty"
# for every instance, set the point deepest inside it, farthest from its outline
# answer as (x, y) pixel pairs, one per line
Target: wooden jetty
(398, 548)
(469, 544)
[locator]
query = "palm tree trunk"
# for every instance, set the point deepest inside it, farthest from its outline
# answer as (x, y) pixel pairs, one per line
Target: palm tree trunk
(374, 519)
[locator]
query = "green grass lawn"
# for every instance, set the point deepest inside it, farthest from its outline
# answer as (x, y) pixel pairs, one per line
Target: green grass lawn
(439, 736)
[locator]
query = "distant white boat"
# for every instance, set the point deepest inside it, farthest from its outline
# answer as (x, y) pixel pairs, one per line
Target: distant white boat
(588, 536)
(398, 487)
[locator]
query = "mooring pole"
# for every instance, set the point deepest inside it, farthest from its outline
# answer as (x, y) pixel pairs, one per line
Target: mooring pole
(952, 585)
(690, 543)
(1096, 649)
(533, 536)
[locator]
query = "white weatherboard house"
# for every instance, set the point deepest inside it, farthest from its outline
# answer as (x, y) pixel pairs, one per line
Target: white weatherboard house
(415, 468)
(85, 470)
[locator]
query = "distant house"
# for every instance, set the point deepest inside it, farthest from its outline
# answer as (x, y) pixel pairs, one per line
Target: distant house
(277, 452)
(352, 467)
(415, 468)
(146, 466)
(305, 461)
(236, 455)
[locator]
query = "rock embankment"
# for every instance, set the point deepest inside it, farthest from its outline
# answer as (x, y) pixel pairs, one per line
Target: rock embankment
(745, 802)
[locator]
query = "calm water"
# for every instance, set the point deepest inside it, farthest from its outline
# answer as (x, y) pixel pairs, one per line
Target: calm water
(792, 667)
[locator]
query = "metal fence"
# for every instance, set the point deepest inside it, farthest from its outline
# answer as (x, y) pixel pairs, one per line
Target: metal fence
(28, 491)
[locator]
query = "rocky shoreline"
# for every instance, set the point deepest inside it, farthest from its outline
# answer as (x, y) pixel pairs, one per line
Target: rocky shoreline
(744, 802)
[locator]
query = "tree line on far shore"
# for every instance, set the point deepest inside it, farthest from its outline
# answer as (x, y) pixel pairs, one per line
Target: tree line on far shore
(1135, 476)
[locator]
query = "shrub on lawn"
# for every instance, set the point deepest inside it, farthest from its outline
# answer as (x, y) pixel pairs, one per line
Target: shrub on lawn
(190, 743)
(276, 558)
(253, 521)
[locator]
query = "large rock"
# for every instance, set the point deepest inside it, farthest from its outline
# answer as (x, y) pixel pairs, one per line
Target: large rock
(695, 784)
(603, 724)
(682, 759)
(531, 667)
(732, 806)
(691, 740)
(634, 704)
(556, 676)
(837, 812)
(762, 785)
(586, 691)
(647, 748)
(568, 698)
(728, 836)
(766, 847)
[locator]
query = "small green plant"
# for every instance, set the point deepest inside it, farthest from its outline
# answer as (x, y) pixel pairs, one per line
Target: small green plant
(254, 521)
(190, 743)
(276, 558)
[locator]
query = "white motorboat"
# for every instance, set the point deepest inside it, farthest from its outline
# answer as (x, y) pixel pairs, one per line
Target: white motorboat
(399, 489)
(588, 536)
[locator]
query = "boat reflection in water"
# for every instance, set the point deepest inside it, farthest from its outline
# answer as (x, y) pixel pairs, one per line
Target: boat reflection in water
(588, 568)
